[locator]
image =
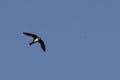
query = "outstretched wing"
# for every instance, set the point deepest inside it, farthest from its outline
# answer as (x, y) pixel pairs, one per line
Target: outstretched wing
(42, 45)
(30, 34)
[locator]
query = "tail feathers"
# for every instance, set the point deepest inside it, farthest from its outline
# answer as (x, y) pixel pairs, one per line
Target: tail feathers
(31, 43)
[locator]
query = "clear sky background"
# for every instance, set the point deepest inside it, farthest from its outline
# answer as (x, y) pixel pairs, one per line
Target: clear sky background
(82, 38)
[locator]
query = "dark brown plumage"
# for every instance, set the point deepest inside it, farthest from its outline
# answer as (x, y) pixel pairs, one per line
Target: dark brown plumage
(36, 39)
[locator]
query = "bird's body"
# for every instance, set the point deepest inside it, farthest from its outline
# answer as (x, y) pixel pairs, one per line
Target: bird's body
(35, 40)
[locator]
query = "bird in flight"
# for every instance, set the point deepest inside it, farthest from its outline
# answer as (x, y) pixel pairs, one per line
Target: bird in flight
(35, 40)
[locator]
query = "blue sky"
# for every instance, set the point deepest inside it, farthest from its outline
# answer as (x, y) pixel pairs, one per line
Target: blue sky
(82, 38)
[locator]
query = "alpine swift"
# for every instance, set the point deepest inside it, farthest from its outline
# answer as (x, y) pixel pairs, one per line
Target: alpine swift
(35, 40)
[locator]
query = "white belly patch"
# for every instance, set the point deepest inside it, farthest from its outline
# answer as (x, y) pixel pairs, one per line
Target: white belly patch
(36, 40)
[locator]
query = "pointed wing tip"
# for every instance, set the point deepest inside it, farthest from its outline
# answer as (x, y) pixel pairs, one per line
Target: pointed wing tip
(44, 50)
(24, 32)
